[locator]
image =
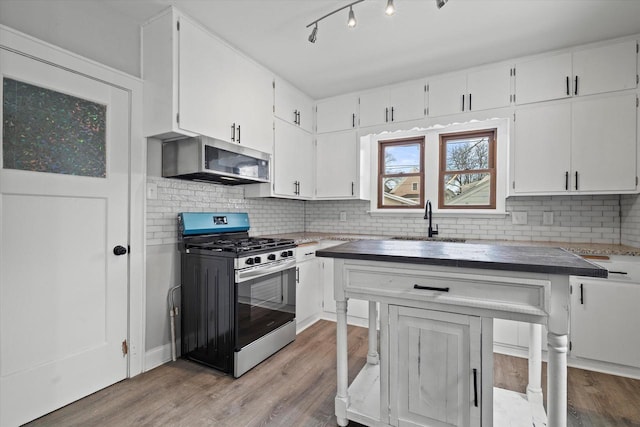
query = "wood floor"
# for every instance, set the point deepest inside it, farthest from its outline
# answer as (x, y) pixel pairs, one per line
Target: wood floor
(296, 387)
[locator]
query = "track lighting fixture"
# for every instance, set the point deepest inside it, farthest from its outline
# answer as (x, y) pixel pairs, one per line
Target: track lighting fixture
(314, 33)
(390, 9)
(351, 22)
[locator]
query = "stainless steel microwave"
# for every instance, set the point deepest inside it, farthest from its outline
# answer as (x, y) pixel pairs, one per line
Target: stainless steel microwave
(207, 159)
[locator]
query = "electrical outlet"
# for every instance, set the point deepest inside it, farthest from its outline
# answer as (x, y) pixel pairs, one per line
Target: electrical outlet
(152, 191)
(343, 216)
(547, 218)
(519, 218)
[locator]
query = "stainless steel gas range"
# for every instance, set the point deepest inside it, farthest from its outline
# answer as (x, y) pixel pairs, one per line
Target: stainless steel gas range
(238, 292)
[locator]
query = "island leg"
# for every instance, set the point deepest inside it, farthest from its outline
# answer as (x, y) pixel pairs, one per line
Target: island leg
(342, 396)
(557, 380)
(372, 356)
(534, 388)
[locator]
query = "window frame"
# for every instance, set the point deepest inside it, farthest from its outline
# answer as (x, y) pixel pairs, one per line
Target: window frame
(491, 133)
(420, 140)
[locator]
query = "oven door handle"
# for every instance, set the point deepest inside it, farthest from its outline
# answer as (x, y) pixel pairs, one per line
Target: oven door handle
(260, 271)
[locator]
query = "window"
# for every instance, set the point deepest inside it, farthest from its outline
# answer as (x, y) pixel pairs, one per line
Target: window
(48, 131)
(401, 174)
(467, 170)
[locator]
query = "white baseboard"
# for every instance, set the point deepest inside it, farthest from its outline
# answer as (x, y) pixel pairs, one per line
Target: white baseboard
(158, 356)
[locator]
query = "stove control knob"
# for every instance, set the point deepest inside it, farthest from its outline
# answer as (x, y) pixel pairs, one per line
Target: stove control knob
(271, 257)
(257, 260)
(289, 253)
(249, 261)
(284, 254)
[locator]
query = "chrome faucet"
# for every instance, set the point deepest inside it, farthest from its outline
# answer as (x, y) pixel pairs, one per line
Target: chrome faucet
(428, 214)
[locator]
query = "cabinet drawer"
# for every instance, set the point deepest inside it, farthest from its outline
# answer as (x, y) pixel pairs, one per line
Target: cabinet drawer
(519, 295)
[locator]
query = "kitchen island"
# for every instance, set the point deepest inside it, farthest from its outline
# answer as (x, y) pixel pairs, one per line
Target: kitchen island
(437, 303)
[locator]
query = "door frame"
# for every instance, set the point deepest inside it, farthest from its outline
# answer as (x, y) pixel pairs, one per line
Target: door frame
(20, 43)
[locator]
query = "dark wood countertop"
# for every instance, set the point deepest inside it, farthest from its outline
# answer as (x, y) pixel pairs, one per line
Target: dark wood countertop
(534, 259)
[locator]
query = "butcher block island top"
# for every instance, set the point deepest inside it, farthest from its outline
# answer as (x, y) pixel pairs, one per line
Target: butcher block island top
(434, 303)
(534, 259)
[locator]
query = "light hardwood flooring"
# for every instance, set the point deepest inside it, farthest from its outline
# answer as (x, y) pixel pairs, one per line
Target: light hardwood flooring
(296, 387)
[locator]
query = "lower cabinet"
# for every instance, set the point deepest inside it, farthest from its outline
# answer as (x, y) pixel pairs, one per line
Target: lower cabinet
(605, 320)
(356, 308)
(308, 293)
(435, 366)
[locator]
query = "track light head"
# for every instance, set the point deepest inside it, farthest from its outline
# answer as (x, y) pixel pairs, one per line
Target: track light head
(390, 9)
(441, 3)
(314, 33)
(352, 18)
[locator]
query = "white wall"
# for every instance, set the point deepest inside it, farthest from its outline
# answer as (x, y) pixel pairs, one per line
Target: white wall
(630, 228)
(89, 28)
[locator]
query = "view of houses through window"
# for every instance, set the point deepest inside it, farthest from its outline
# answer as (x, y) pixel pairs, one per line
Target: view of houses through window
(467, 170)
(401, 177)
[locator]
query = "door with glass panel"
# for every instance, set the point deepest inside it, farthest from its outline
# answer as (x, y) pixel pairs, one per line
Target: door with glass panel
(63, 237)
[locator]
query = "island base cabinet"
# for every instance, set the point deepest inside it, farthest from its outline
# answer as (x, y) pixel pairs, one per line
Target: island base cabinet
(435, 368)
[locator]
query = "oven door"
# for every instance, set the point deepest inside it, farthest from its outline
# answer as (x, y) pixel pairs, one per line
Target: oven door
(264, 302)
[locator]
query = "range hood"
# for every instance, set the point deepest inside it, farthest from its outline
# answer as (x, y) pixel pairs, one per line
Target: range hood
(207, 159)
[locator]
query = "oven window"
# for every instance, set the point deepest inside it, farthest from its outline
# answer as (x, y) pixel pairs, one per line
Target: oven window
(264, 304)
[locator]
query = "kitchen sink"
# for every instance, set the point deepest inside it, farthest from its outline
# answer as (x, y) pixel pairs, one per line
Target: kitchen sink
(431, 239)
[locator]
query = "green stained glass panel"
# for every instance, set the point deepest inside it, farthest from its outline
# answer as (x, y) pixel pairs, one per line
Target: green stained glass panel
(48, 131)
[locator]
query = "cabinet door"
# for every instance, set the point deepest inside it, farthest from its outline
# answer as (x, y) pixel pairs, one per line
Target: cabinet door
(447, 95)
(336, 114)
(435, 368)
(308, 291)
(605, 69)
(544, 79)
(604, 321)
(489, 88)
(252, 105)
(542, 149)
(406, 101)
(292, 105)
(603, 150)
(293, 161)
(337, 164)
(206, 68)
(375, 108)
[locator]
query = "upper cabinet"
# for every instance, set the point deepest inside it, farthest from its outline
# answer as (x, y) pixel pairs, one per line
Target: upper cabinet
(337, 113)
(476, 90)
(194, 84)
(399, 103)
(292, 167)
(342, 166)
(583, 147)
(292, 106)
(584, 72)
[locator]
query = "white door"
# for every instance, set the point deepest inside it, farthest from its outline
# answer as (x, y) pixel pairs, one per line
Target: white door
(489, 88)
(375, 108)
(406, 101)
(63, 291)
(447, 95)
(335, 114)
(544, 79)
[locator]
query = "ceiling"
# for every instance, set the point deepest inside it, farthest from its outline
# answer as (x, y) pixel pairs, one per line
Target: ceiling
(419, 40)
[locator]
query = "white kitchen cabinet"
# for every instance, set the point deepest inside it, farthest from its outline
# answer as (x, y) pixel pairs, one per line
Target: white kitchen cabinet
(475, 90)
(357, 308)
(292, 106)
(342, 166)
(308, 288)
(604, 321)
(435, 368)
(292, 173)
(398, 103)
(194, 84)
(337, 113)
(586, 71)
(586, 146)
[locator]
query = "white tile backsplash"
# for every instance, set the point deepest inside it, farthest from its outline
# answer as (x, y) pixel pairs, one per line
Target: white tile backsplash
(610, 219)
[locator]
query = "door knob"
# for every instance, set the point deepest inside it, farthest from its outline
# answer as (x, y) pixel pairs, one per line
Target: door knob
(119, 250)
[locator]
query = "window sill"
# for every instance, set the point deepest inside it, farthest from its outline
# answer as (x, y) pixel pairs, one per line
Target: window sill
(466, 213)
